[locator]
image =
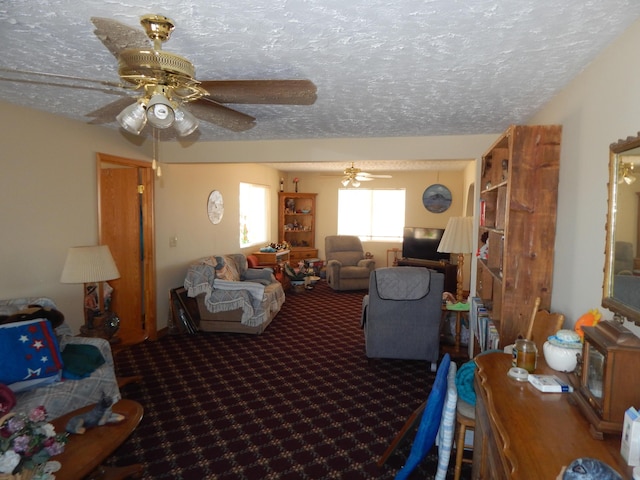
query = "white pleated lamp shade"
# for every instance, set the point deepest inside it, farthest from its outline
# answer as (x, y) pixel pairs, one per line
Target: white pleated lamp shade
(457, 236)
(89, 265)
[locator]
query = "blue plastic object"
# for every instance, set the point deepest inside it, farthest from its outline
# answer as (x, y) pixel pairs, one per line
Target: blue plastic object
(430, 422)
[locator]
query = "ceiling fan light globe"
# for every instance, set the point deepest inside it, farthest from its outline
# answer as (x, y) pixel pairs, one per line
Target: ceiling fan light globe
(185, 123)
(160, 113)
(345, 182)
(133, 118)
(355, 183)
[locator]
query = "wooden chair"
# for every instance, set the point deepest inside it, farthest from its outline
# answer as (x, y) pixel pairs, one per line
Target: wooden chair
(542, 325)
(465, 420)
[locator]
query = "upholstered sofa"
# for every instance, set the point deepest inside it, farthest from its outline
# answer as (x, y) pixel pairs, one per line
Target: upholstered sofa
(65, 395)
(347, 267)
(232, 297)
(401, 314)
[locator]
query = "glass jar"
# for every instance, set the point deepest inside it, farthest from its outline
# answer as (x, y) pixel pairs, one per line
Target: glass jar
(525, 355)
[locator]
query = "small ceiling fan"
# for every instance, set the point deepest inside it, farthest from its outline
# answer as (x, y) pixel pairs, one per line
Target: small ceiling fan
(166, 82)
(353, 176)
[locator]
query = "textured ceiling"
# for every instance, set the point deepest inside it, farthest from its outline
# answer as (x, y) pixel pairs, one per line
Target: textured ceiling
(383, 68)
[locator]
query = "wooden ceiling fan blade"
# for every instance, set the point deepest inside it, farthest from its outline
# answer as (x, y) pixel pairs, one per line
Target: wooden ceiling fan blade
(274, 92)
(117, 36)
(57, 76)
(225, 117)
(371, 176)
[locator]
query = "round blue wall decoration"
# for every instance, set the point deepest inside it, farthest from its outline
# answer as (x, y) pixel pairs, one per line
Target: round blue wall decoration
(436, 198)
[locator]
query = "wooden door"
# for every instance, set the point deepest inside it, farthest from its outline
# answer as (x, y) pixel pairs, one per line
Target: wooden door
(126, 225)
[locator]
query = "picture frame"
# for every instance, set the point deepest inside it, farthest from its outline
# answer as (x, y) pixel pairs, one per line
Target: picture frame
(184, 311)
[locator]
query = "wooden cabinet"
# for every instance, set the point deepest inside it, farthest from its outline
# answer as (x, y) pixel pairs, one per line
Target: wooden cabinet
(518, 198)
(297, 224)
(271, 259)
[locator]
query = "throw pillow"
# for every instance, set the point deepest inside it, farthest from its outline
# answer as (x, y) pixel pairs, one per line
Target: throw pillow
(35, 356)
(226, 269)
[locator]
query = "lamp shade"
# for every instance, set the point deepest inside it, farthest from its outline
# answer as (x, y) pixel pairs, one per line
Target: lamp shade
(160, 112)
(457, 236)
(133, 118)
(185, 123)
(89, 265)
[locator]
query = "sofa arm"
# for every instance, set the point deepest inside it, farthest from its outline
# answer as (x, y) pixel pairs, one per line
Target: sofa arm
(265, 274)
(367, 262)
(364, 312)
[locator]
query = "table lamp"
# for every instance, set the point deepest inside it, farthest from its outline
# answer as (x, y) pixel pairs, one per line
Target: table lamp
(90, 266)
(457, 238)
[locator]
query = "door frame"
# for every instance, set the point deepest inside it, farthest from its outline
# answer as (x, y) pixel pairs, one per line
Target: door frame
(148, 232)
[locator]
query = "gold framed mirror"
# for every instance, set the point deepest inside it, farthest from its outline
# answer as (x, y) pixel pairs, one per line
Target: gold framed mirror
(621, 286)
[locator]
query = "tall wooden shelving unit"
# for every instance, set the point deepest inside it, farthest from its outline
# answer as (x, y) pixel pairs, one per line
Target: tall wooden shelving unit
(518, 199)
(297, 224)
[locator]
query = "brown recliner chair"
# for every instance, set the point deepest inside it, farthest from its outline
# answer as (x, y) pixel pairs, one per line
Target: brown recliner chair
(347, 268)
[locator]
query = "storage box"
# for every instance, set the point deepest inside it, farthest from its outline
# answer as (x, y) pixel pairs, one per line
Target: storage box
(630, 447)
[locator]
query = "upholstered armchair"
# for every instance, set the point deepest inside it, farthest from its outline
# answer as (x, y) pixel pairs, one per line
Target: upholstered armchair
(401, 314)
(347, 268)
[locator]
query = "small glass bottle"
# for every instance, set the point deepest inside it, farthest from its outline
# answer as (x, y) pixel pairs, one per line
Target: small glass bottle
(525, 355)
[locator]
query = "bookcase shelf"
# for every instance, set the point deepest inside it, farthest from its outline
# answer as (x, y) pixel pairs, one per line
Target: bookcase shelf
(518, 198)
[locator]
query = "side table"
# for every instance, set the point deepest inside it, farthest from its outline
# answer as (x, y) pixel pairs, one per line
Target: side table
(83, 454)
(460, 309)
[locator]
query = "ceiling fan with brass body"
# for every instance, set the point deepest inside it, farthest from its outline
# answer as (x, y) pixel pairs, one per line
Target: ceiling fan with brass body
(353, 176)
(166, 82)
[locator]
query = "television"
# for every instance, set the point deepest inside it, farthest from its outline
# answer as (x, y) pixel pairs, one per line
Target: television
(422, 243)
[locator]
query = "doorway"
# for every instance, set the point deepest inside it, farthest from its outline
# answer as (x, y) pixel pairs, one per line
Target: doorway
(125, 223)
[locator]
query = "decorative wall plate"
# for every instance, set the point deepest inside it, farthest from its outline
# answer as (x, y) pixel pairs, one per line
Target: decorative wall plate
(436, 198)
(215, 207)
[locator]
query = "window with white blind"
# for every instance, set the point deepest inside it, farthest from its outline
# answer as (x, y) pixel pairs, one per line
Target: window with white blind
(254, 214)
(371, 214)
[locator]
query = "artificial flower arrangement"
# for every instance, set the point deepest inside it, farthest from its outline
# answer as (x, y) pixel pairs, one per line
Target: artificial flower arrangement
(27, 442)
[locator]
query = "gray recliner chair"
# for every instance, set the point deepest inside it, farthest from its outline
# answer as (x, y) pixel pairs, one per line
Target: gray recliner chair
(347, 268)
(401, 314)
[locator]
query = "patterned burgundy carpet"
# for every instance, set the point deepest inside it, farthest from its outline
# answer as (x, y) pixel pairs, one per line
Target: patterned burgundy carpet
(300, 401)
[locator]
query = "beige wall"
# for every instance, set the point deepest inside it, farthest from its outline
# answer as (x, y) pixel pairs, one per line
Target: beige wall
(598, 108)
(48, 200)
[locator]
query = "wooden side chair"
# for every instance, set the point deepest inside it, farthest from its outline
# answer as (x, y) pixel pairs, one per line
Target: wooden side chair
(465, 414)
(465, 420)
(542, 325)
